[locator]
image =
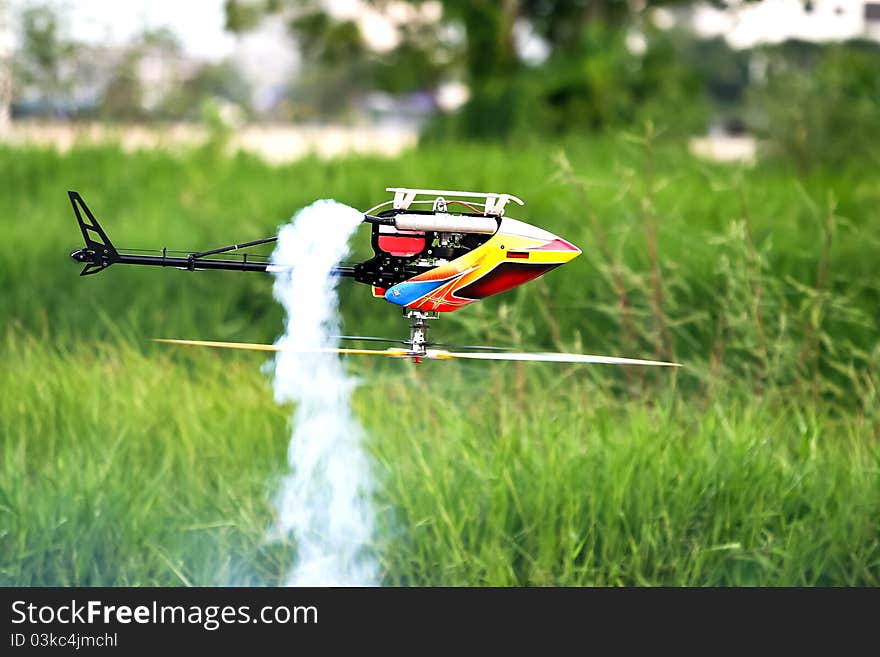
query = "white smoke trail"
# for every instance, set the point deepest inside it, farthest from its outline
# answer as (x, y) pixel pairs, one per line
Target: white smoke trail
(324, 500)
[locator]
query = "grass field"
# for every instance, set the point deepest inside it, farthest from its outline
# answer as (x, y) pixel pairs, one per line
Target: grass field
(124, 463)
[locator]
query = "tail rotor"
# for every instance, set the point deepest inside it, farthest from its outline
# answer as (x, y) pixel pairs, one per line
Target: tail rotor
(99, 252)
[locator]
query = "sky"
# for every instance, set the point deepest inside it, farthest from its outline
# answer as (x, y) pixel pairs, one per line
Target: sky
(776, 20)
(197, 23)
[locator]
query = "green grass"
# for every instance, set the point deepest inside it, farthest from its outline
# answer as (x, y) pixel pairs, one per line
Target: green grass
(123, 462)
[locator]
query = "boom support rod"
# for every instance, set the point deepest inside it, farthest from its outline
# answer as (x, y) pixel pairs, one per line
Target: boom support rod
(234, 247)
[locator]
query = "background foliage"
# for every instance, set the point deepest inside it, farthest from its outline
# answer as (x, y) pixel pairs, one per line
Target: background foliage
(126, 462)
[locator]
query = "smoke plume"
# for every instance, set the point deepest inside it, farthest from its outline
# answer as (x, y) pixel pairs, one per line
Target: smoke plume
(323, 503)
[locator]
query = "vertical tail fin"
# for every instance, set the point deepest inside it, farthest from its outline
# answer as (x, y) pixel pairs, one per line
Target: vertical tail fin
(99, 252)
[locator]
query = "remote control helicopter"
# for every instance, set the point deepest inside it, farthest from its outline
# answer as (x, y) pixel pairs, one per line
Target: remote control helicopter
(434, 252)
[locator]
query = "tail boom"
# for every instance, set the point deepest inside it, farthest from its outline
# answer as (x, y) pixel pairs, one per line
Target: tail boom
(99, 252)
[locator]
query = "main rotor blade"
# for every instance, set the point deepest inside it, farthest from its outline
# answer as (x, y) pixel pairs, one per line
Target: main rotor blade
(549, 358)
(435, 354)
(249, 346)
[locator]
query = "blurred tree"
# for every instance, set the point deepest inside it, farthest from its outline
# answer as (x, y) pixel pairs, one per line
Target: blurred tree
(146, 73)
(337, 70)
(123, 97)
(489, 38)
(39, 61)
(153, 79)
(593, 76)
(244, 16)
(339, 64)
(725, 70)
(590, 77)
(161, 38)
(221, 82)
(5, 66)
(819, 105)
